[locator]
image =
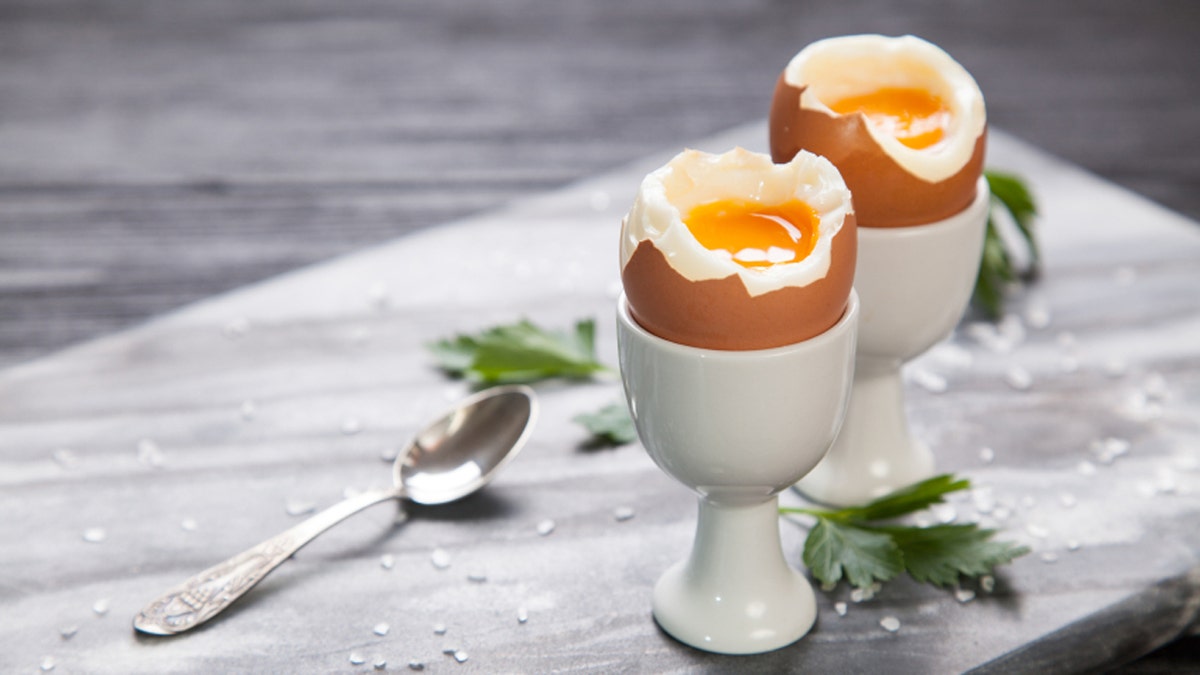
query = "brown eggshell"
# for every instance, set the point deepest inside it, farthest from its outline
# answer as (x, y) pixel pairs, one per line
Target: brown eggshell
(721, 314)
(885, 194)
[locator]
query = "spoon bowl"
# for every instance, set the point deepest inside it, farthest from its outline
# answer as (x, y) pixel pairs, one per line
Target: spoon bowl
(464, 449)
(451, 458)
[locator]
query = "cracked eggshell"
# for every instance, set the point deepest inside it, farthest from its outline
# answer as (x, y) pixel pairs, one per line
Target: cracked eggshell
(683, 292)
(893, 185)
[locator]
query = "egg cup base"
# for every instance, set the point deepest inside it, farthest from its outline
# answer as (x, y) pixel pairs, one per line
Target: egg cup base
(735, 593)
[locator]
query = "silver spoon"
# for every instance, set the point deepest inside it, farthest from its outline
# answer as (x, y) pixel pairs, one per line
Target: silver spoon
(450, 459)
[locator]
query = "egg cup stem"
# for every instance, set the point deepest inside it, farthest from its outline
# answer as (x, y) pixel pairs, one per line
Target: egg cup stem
(875, 453)
(735, 593)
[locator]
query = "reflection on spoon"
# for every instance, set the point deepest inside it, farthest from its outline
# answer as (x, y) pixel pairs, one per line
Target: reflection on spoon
(451, 458)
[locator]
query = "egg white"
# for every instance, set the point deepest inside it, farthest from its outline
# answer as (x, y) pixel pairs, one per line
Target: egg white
(837, 68)
(693, 178)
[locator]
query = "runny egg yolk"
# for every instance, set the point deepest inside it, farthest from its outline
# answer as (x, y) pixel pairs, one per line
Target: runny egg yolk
(914, 117)
(753, 234)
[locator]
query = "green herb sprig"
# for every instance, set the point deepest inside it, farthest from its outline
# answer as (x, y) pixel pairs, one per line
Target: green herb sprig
(520, 353)
(863, 545)
(998, 267)
(610, 425)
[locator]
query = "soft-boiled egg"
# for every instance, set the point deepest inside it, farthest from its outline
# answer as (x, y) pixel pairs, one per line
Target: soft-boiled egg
(735, 252)
(898, 116)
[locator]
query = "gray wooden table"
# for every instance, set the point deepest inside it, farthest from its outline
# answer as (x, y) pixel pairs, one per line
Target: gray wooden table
(151, 155)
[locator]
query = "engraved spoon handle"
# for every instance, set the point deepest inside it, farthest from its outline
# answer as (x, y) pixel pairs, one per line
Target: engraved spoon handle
(208, 593)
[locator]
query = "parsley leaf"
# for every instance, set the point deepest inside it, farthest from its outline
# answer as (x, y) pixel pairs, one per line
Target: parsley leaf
(520, 352)
(908, 499)
(940, 553)
(834, 549)
(997, 268)
(860, 544)
(611, 424)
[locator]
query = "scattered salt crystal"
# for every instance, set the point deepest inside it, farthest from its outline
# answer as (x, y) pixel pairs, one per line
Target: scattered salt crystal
(477, 577)
(1165, 483)
(865, 593)
(100, 607)
(1001, 513)
(298, 507)
(890, 623)
(983, 500)
(381, 629)
(944, 513)
(522, 615)
(440, 558)
(377, 293)
(1086, 468)
(929, 381)
(1018, 378)
(1049, 557)
(545, 527)
(64, 457)
(249, 410)
(387, 561)
(987, 455)
(351, 426)
(95, 535)
(236, 328)
(68, 632)
(1108, 449)
(461, 656)
(1037, 531)
(1037, 315)
(189, 524)
(389, 454)
(1072, 545)
(964, 595)
(379, 663)
(1155, 386)
(1115, 367)
(951, 355)
(149, 454)
(1067, 500)
(623, 513)
(416, 665)
(357, 659)
(439, 629)
(987, 583)
(840, 608)
(47, 664)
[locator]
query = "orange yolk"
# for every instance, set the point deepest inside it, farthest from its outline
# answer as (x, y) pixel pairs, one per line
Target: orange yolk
(755, 235)
(914, 117)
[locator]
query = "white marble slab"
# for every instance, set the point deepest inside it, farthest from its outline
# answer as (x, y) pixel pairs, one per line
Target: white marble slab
(247, 398)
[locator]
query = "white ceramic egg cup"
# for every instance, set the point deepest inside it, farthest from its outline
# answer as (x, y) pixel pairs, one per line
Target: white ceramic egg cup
(914, 284)
(737, 427)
